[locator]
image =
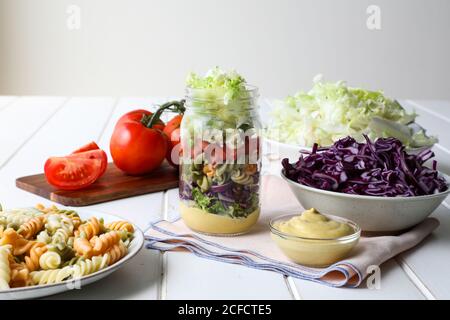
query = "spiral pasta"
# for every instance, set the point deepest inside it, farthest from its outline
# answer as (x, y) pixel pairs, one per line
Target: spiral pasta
(209, 170)
(49, 260)
(44, 237)
(120, 226)
(30, 228)
(101, 244)
(75, 218)
(116, 253)
(43, 209)
(51, 276)
(221, 174)
(48, 245)
(204, 183)
(241, 177)
(194, 171)
(61, 238)
(73, 215)
(84, 267)
(36, 251)
(250, 169)
(57, 221)
(17, 217)
(19, 244)
(83, 247)
(5, 271)
(89, 229)
(66, 253)
(20, 275)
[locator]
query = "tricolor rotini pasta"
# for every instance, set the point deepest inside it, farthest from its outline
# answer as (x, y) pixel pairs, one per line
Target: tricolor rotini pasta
(17, 217)
(87, 266)
(89, 229)
(46, 245)
(241, 177)
(5, 270)
(49, 260)
(30, 228)
(120, 226)
(51, 276)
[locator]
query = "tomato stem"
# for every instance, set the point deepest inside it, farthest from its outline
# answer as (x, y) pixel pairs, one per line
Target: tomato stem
(174, 106)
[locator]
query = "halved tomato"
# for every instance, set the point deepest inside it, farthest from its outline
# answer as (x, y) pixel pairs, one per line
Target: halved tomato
(72, 173)
(88, 147)
(93, 154)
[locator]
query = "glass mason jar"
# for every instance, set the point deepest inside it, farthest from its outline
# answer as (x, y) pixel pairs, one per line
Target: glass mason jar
(220, 163)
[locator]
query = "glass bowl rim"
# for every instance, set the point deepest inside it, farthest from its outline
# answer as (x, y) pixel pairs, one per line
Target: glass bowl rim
(355, 235)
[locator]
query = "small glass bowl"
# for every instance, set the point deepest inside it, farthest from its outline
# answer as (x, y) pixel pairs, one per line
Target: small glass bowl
(313, 252)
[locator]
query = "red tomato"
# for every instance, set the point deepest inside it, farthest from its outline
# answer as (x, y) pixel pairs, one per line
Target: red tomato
(175, 137)
(93, 154)
(135, 148)
(137, 115)
(172, 131)
(90, 146)
(72, 173)
(173, 124)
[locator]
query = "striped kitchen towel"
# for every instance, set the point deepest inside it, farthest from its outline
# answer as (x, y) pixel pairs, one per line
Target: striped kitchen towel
(257, 250)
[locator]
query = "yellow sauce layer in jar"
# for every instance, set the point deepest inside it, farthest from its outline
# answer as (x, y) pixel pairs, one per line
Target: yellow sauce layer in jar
(205, 222)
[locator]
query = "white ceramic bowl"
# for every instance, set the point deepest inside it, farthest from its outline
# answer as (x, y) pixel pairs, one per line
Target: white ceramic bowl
(374, 214)
(50, 289)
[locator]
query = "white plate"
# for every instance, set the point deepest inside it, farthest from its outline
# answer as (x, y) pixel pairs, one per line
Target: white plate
(50, 289)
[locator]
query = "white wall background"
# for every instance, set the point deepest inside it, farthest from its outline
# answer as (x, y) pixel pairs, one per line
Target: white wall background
(146, 47)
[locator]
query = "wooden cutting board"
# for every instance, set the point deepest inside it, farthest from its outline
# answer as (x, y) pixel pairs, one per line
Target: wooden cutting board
(113, 185)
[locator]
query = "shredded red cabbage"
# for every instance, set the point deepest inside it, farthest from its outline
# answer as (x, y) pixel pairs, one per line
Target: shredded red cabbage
(380, 168)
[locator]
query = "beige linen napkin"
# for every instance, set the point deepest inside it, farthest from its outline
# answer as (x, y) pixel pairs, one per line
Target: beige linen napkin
(257, 250)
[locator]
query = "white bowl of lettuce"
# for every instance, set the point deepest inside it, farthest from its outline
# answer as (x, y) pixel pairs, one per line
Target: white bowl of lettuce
(331, 111)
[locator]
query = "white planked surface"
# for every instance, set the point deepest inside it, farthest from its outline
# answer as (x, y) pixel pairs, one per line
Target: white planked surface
(395, 285)
(190, 277)
(33, 128)
(21, 119)
(6, 100)
(140, 279)
(430, 259)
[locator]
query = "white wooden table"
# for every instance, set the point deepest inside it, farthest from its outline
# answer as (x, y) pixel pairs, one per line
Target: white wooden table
(34, 128)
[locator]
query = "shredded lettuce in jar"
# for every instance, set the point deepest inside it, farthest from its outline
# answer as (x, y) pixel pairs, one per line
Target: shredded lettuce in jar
(331, 111)
(223, 85)
(221, 99)
(223, 95)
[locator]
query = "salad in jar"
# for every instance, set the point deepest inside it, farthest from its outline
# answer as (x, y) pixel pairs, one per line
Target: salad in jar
(220, 163)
